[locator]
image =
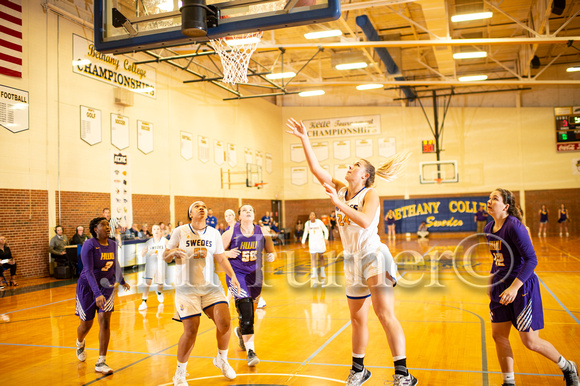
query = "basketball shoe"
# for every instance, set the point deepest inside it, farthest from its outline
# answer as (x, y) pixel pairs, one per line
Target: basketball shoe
(160, 297)
(179, 378)
(240, 338)
(225, 367)
(81, 353)
(358, 378)
(571, 376)
(103, 368)
(404, 380)
(252, 358)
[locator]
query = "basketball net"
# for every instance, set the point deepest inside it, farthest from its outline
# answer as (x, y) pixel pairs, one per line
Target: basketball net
(438, 180)
(235, 53)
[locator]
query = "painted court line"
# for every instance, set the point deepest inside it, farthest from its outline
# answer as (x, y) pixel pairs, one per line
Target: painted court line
(559, 302)
(326, 343)
(42, 305)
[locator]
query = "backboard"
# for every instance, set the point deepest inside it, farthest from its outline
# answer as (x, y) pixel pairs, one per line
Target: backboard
(437, 172)
(132, 25)
(253, 175)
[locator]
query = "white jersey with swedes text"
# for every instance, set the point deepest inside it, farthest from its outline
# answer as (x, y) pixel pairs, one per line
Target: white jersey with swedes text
(317, 234)
(155, 266)
(197, 273)
(356, 239)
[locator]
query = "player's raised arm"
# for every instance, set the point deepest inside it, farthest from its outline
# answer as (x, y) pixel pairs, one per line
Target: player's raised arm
(297, 129)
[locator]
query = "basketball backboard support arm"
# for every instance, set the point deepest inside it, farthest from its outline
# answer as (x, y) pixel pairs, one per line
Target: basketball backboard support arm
(112, 40)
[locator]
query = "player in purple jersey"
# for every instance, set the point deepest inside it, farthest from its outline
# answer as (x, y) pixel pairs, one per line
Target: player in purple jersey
(370, 271)
(563, 217)
(246, 241)
(544, 213)
(515, 289)
(96, 289)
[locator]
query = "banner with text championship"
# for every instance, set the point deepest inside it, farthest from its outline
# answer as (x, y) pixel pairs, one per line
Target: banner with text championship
(117, 70)
(343, 127)
(455, 214)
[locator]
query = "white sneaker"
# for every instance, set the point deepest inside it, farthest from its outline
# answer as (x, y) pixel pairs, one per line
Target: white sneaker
(560, 234)
(225, 367)
(404, 380)
(322, 274)
(544, 234)
(179, 379)
(103, 368)
(539, 234)
(160, 297)
(567, 234)
(81, 353)
(261, 303)
(358, 378)
(143, 306)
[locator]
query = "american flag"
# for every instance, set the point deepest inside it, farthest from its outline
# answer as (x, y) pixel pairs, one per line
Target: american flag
(11, 38)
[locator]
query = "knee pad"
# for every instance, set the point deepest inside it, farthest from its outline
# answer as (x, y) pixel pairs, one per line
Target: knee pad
(245, 308)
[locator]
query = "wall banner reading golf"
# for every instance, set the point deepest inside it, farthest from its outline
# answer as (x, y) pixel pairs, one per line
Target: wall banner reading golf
(440, 214)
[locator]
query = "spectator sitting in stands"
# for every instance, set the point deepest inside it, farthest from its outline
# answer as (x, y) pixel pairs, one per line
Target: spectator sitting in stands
(299, 230)
(170, 230)
(79, 237)
(267, 219)
(133, 232)
(7, 261)
(211, 220)
(57, 244)
(422, 231)
(164, 230)
(145, 231)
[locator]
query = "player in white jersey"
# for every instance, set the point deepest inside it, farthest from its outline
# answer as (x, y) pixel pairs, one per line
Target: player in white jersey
(317, 234)
(155, 266)
(194, 247)
(368, 265)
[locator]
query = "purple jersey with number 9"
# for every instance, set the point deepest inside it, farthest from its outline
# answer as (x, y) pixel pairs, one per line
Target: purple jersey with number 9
(100, 265)
(250, 257)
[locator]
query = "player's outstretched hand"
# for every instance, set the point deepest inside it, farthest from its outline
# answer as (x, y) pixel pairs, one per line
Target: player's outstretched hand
(296, 128)
(331, 192)
(232, 253)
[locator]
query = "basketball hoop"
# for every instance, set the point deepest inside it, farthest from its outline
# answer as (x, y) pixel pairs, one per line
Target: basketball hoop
(235, 53)
(439, 180)
(259, 185)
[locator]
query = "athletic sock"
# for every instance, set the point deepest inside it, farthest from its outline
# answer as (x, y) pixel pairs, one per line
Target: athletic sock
(322, 274)
(565, 365)
(80, 344)
(181, 367)
(101, 359)
(250, 344)
(401, 365)
(509, 378)
(358, 362)
(223, 354)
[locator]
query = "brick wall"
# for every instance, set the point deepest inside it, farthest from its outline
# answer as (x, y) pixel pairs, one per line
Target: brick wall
(552, 199)
(260, 207)
(151, 209)
(79, 208)
(295, 210)
(24, 221)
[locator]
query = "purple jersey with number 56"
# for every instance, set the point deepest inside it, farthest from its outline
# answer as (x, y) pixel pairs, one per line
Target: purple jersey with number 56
(100, 265)
(250, 257)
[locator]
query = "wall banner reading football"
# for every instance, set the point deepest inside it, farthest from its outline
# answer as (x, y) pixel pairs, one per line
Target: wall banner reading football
(455, 214)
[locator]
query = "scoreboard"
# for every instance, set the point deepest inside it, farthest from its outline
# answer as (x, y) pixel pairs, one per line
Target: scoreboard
(567, 128)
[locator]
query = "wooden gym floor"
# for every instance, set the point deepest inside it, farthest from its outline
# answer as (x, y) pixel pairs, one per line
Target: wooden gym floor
(303, 336)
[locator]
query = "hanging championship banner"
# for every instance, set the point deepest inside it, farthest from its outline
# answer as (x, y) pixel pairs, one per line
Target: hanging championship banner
(91, 125)
(121, 203)
(202, 149)
(119, 131)
(115, 70)
(13, 109)
(219, 152)
(269, 163)
(145, 136)
(186, 141)
(343, 127)
(232, 155)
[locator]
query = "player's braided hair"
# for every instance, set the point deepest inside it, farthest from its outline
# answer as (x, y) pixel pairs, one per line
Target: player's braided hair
(389, 170)
(93, 225)
(509, 199)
